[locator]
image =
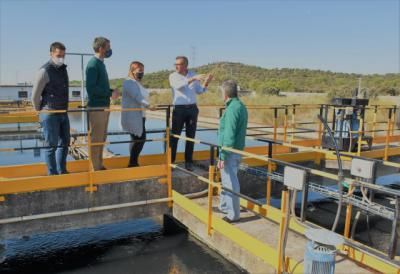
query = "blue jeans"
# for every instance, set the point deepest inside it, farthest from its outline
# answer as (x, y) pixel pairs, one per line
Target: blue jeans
(56, 133)
(229, 202)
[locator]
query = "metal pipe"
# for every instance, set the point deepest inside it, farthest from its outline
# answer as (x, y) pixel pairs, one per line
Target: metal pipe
(80, 211)
(340, 174)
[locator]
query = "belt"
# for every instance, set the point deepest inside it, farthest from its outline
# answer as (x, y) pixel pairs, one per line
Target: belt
(185, 106)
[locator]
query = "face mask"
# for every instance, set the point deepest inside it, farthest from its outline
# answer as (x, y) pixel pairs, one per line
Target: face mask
(139, 75)
(58, 61)
(108, 53)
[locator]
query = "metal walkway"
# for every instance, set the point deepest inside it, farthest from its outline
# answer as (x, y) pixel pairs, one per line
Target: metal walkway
(287, 146)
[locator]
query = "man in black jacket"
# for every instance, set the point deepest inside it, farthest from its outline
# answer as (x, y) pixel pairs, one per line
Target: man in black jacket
(51, 92)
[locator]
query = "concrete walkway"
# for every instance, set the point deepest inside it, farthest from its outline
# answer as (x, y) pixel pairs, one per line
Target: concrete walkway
(264, 230)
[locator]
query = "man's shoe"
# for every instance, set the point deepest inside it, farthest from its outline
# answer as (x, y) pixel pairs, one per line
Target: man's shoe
(103, 168)
(189, 166)
(133, 165)
(226, 219)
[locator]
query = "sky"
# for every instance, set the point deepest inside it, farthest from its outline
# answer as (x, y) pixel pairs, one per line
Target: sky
(354, 36)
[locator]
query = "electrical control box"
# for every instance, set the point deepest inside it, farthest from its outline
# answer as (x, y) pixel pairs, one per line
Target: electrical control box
(294, 177)
(362, 168)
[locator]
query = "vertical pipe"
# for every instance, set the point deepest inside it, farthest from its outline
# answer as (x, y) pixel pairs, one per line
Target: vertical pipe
(374, 123)
(269, 181)
(18, 106)
(348, 216)
(91, 168)
(285, 124)
(293, 122)
(168, 162)
(281, 230)
(394, 116)
(211, 171)
(168, 116)
(321, 108)
(167, 125)
(82, 92)
(385, 157)
(360, 134)
(393, 238)
(304, 199)
(275, 127)
(333, 120)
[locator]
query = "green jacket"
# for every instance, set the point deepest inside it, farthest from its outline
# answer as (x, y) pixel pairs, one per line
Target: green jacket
(232, 126)
(97, 84)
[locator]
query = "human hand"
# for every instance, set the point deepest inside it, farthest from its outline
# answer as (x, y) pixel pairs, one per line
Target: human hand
(208, 79)
(198, 77)
(115, 94)
(152, 107)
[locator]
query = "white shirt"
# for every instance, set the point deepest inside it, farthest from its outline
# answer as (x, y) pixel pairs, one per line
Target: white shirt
(183, 92)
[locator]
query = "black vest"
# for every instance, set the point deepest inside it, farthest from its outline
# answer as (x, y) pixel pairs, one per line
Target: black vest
(55, 94)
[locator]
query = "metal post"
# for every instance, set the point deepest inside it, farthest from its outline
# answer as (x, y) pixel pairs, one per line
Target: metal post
(91, 168)
(82, 55)
(394, 116)
(374, 123)
(360, 131)
(285, 124)
(393, 238)
(269, 181)
(275, 126)
(82, 93)
(211, 172)
(348, 216)
(387, 135)
(167, 125)
(281, 229)
(293, 121)
(304, 199)
(333, 120)
(321, 108)
(168, 160)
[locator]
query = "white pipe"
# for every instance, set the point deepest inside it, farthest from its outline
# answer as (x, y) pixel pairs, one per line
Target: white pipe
(95, 209)
(80, 211)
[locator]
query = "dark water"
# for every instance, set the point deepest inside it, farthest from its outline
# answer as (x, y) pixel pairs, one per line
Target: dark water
(130, 247)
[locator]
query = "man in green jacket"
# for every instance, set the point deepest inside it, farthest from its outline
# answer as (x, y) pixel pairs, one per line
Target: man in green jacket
(232, 134)
(99, 93)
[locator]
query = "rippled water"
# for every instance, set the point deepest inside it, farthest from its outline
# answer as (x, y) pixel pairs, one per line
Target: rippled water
(130, 247)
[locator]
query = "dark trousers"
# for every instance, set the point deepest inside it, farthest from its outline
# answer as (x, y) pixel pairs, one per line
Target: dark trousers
(137, 146)
(185, 115)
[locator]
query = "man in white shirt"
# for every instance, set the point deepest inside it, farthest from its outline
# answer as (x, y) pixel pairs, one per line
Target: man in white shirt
(185, 86)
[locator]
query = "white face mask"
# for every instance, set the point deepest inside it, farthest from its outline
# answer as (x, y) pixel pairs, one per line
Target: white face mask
(58, 61)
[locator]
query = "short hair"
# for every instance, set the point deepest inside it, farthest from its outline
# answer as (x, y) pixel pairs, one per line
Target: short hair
(184, 58)
(57, 45)
(230, 88)
(136, 64)
(99, 42)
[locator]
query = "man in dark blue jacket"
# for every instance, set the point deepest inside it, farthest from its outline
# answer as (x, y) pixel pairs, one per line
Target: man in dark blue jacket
(50, 93)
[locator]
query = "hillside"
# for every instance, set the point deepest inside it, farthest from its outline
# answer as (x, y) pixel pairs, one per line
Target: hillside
(271, 81)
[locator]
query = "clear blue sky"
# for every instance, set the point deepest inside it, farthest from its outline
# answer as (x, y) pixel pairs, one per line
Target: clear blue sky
(360, 36)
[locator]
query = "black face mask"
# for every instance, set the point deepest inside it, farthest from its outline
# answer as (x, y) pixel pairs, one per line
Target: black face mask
(139, 75)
